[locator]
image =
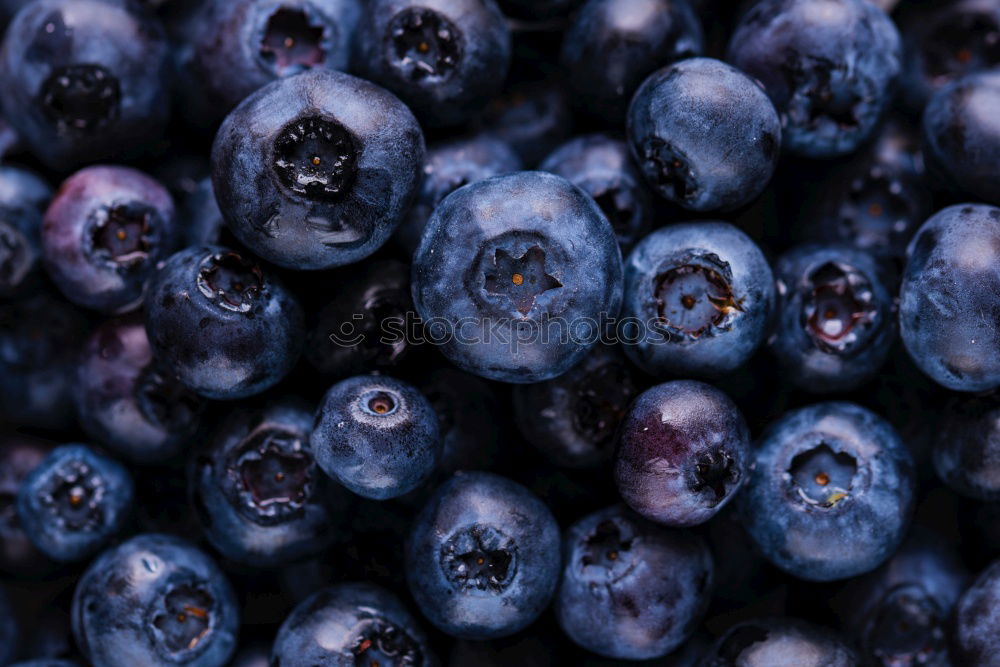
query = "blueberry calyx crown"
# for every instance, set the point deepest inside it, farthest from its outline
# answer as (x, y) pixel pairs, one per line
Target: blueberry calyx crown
(714, 472)
(822, 477)
(72, 494)
(907, 627)
(669, 168)
(15, 255)
(123, 233)
(315, 158)
(521, 279)
(822, 94)
(292, 41)
(182, 618)
(271, 474)
(695, 298)
(380, 402)
(601, 400)
(606, 553)
(165, 401)
(230, 281)
(967, 42)
(875, 209)
(379, 641)
(422, 44)
(840, 309)
(80, 98)
(479, 558)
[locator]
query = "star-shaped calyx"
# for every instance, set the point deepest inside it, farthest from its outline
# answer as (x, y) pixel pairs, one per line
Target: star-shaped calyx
(521, 279)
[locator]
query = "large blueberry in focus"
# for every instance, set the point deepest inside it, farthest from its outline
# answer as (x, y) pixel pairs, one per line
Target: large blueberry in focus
(974, 637)
(377, 436)
(316, 170)
(831, 492)
(445, 58)
(351, 624)
(225, 326)
(482, 559)
(85, 80)
(516, 273)
(965, 446)
(705, 135)
(74, 502)
(630, 589)
(23, 198)
(950, 298)
(683, 452)
(828, 65)
(156, 601)
(768, 642)
(701, 294)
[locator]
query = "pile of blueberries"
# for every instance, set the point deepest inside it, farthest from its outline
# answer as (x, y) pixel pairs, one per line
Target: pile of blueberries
(481, 333)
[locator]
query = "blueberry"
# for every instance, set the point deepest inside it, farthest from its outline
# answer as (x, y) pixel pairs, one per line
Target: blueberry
(835, 317)
(444, 58)
(126, 401)
(258, 492)
(316, 170)
(612, 45)
(702, 293)
(23, 198)
(519, 270)
(683, 451)
(74, 502)
(232, 48)
(767, 642)
(573, 418)
(532, 117)
(377, 436)
(950, 297)
(155, 600)
(630, 589)
(447, 167)
(351, 624)
(482, 560)
(224, 325)
(828, 65)
(104, 233)
(19, 455)
(831, 492)
(602, 167)
(966, 446)
(961, 139)
(85, 80)
(974, 638)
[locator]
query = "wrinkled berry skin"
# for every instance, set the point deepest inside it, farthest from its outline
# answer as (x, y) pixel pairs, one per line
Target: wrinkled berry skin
(236, 47)
(683, 452)
(74, 502)
(501, 259)
(85, 80)
(705, 135)
(348, 624)
(965, 446)
(830, 493)
(103, 234)
(974, 637)
(766, 642)
(155, 600)
(482, 560)
(226, 327)
(23, 198)
(630, 589)
(602, 167)
(949, 295)
(316, 170)
(258, 493)
(828, 66)
(126, 401)
(703, 293)
(464, 67)
(377, 436)
(835, 317)
(19, 455)
(961, 137)
(449, 166)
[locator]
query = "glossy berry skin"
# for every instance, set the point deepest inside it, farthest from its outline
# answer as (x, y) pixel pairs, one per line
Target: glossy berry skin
(835, 317)
(630, 589)
(74, 502)
(233, 48)
(444, 58)
(155, 600)
(683, 451)
(23, 198)
(766, 642)
(316, 170)
(501, 259)
(126, 401)
(952, 278)
(447, 167)
(482, 560)
(831, 492)
(85, 80)
(602, 167)
(103, 234)
(19, 455)
(377, 436)
(258, 493)
(705, 135)
(965, 446)
(348, 624)
(961, 140)
(828, 66)
(227, 327)
(974, 637)
(703, 295)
